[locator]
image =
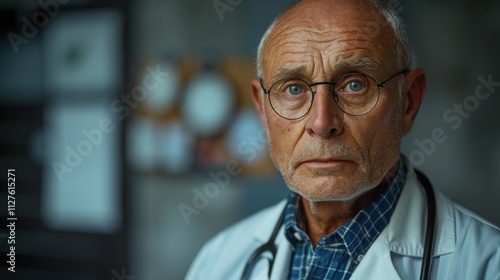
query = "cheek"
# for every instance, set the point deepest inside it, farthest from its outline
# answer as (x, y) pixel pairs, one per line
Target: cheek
(277, 129)
(386, 141)
(378, 133)
(283, 138)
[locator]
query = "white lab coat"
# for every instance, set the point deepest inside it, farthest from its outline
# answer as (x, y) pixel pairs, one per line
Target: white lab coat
(466, 246)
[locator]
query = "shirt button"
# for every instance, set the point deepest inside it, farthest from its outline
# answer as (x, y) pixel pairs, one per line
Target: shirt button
(297, 236)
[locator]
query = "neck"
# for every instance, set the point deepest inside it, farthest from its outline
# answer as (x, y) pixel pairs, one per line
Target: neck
(324, 217)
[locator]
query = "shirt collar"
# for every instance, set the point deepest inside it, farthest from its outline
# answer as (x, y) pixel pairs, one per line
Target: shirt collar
(357, 234)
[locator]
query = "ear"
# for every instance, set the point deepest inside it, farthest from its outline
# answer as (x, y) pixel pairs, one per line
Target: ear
(413, 94)
(257, 96)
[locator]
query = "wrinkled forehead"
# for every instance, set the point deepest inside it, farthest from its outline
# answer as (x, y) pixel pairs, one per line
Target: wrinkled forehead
(333, 35)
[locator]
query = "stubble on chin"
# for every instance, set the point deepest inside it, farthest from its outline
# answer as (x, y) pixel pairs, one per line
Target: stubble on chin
(363, 177)
(345, 185)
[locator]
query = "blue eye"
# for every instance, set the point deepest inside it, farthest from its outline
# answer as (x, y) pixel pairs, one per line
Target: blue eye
(294, 90)
(355, 86)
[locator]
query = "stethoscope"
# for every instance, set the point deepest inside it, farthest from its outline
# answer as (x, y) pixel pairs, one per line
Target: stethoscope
(425, 269)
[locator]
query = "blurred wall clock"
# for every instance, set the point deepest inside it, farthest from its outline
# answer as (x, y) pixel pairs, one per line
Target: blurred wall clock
(209, 103)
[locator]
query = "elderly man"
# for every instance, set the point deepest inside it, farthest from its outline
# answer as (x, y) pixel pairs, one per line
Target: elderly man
(336, 95)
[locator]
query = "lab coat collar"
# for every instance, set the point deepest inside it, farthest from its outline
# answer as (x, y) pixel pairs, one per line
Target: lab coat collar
(283, 255)
(403, 235)
(406, 229)
(265, 229)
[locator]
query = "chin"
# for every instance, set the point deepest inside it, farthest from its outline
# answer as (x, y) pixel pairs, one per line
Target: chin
(328, 188)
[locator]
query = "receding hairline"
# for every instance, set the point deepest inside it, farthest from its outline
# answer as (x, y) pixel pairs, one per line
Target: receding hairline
(385, 11)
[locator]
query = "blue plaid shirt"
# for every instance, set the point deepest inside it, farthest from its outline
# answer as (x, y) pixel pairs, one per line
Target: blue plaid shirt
(338, 254)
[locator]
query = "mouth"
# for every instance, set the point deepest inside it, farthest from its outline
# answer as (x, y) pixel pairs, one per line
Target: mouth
(325, 163)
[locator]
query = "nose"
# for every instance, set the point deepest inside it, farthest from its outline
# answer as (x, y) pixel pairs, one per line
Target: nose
(325, 119)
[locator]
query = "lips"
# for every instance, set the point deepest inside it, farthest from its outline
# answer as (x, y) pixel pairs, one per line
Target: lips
(324, 163)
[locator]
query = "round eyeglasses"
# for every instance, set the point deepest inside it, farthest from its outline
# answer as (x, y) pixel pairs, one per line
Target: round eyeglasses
(355, 94)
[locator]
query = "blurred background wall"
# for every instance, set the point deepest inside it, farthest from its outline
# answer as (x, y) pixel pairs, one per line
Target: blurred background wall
(133, 138)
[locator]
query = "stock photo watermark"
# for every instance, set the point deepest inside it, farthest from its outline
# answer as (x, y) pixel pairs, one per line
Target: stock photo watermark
(11, 220)
(201, 198)
(249, 148)
(30, 28)
(121, 276)
(223, 6)
(454, 117)
(374, 27)
(94, 137)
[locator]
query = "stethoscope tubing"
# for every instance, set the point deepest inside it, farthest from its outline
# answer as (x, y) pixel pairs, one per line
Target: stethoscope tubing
(425, 268)
(269, 246)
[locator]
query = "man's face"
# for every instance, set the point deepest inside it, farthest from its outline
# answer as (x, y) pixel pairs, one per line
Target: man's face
(329, 155)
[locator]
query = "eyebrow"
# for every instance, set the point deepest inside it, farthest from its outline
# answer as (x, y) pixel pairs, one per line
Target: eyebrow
(362, 63)
(283, 72)
(343, 66)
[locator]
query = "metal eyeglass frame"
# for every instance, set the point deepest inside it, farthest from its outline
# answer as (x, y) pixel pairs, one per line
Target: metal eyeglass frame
(336, 98)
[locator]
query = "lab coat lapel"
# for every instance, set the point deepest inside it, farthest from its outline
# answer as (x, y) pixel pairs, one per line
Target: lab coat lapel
(406, 228)
(283, 257)
(259, 274)
(404, 234)
(377, 263)
(281, 265)
(283, 254)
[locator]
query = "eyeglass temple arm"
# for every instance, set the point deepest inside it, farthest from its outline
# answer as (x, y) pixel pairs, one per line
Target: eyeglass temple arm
(266, 91)
(382, 84)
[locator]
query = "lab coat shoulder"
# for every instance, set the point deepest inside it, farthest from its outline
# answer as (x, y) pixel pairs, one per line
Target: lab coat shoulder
(466, 246)
(477, 251)
(224, 256)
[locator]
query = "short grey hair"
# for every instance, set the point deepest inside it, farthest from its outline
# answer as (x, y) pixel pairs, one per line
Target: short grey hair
(403, 50)
(261, 46)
